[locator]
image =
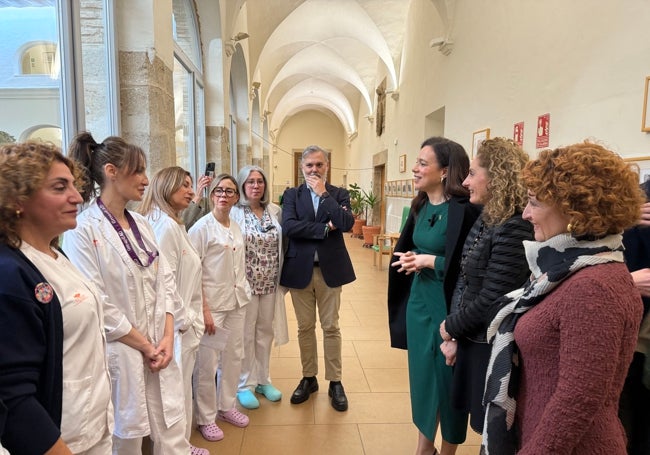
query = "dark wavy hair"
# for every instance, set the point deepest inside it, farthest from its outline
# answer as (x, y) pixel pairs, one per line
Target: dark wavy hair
(23, 169)
(451, 155)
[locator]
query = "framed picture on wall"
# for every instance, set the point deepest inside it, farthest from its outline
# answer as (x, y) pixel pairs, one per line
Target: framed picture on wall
(391, 188)
(402, 163)
(409, 188)
(645, 120)
(478, 137)
(641, 165)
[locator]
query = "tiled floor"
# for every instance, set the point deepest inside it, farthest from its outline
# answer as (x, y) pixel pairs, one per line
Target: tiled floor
(375, 377)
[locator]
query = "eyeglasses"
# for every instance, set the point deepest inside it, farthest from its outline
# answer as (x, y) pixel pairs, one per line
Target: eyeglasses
(228, 192)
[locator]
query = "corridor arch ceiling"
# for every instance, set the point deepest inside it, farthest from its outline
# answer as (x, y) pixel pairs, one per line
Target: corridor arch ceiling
(324, 55)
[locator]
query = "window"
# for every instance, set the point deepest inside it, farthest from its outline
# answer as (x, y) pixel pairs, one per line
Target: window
(188, 90)
(31, 90)
(39, 59)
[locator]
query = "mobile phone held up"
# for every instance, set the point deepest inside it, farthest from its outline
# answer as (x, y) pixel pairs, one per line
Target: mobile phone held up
(209, 169)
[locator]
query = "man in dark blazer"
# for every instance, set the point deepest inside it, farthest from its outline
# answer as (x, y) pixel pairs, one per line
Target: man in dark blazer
(316, 265)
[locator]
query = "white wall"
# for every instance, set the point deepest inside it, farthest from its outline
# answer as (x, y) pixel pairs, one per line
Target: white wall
(583, 61)
(304, 129)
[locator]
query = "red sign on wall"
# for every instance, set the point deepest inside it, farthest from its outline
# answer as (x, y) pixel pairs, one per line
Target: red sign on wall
(518, 134)
(543, 130)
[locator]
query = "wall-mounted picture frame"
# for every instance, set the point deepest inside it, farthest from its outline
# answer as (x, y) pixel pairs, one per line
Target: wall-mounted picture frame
(398, 188)
(645, 119)
(402, 163)
(409, 188)
(478, 137)
(391, 188)
(415, 192)
(641, 165)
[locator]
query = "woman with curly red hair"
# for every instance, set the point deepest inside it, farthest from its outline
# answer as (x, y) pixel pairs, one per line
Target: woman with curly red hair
(562, 344)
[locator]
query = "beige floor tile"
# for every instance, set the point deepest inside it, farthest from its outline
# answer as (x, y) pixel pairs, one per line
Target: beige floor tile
(388, 439)
(365, 408)
(379, 354)
(302, 439)
(387, 379)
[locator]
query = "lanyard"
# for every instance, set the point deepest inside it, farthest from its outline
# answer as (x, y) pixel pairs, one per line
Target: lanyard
(125, 241)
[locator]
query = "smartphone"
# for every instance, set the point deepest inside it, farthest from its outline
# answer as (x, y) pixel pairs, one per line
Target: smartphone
(209, 169)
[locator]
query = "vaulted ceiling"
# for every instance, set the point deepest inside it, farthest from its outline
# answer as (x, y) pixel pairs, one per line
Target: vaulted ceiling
(326, 55)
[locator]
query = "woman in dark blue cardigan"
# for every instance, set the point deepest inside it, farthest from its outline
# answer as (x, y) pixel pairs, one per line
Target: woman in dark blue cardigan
(54, 383)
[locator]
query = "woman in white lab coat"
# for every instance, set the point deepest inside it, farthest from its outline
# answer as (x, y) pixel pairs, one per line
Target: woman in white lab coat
(220, 245)
(170, 192)
(55, 390)
(117, 250)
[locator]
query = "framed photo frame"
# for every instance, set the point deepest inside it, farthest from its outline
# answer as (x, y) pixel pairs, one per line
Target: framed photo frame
(391, 188)
(640, 164)
(478, 137)
(402, 163)
(409, 188)
(398, 188)
(645, 119)
(415, 192)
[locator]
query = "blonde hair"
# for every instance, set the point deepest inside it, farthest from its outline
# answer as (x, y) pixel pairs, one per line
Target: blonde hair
(593, 186)
(162, 186)
(23, 169)
(504, 160)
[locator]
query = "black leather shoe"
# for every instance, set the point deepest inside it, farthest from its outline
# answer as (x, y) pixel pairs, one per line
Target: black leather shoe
(339, 400)
(306, 387)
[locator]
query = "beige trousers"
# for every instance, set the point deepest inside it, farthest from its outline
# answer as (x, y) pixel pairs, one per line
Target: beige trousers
(328, 301)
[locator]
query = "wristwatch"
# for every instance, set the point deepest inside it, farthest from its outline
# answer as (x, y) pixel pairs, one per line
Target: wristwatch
(324, 194)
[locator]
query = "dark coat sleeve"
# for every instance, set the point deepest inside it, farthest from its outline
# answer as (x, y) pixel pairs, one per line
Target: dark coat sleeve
(31, 352)
(399, 288)
(506, 269)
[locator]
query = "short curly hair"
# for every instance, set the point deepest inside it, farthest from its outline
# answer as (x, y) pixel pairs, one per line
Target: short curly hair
(23, 169)
(593, 186)
(504, 160)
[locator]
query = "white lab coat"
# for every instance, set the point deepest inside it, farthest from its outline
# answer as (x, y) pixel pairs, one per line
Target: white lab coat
(96, 249)
(184, 264)
(280, 327)
(224, 275)
(87, 411)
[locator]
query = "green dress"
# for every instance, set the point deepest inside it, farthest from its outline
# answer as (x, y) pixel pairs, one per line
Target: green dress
(429, 376)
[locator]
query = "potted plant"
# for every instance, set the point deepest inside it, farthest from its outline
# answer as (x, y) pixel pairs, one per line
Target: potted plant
(370, 200)
(358, 207)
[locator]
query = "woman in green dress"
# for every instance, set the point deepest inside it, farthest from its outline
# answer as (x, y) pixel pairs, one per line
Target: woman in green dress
(425, 268)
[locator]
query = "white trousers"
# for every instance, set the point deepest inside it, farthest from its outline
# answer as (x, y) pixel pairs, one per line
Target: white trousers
(258, 341)
(166, 441)
(189, 350)
(207, 400)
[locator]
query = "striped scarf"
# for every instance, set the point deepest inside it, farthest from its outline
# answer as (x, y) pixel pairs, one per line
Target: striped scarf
(550, 262)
